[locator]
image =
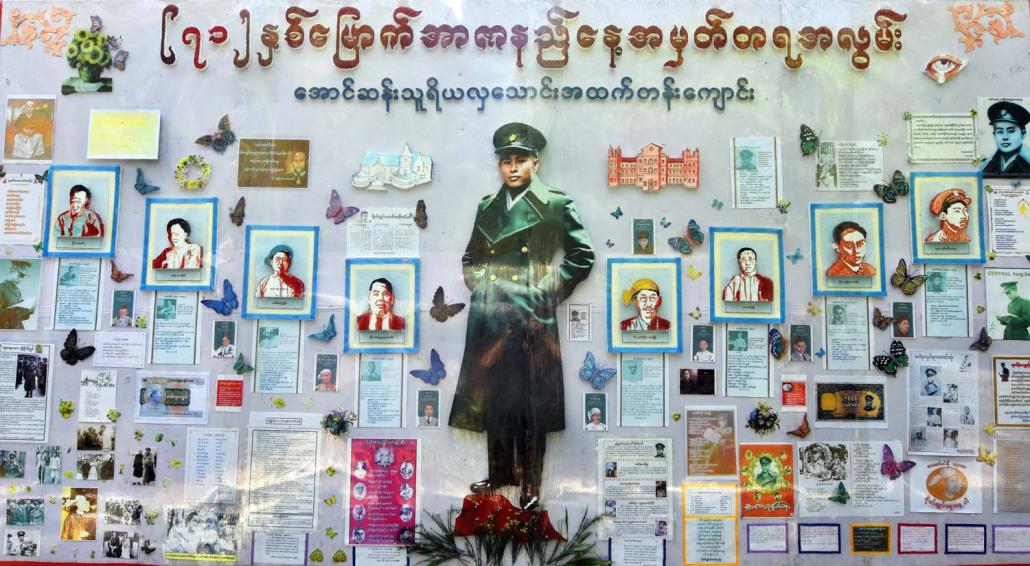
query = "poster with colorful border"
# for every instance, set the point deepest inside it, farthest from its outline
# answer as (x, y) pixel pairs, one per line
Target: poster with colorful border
(766, 480)
(382, 491)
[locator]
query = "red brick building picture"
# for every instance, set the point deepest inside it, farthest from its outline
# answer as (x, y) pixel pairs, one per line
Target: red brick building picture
(652, 168)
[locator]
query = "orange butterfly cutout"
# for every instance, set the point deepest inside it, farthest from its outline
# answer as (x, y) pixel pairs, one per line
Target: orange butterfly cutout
(803, 429)
(118, 275)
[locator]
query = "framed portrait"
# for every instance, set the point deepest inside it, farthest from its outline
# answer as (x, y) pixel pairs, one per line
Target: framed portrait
(1003, 142)
(381, 310)
(223, 339)
(1008, 303)
(947, 217)
(179, 244)
(123, 308)
(327, 369)
(847, 249)
(746, 275)
(427, 408)
(273, 163)
(19, 293)
(279, 276)
(644, 306)
(595, 412)
(29, 135)
(702, 343)
(81, 210)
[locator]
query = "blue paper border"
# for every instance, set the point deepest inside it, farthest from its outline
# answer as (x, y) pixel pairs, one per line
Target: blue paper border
(713, 291)
(144, 285)
(47, 221)
(246, 273)
(347, 348)
(948, 525)
(678, 264)
(839, 547)
(815, 276)
(916, 258)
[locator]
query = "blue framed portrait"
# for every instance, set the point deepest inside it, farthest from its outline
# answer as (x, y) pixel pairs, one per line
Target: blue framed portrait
(947, 217)
(280, 272)
(381, 307)
(81, 212)
(179, 244)
(746, 275)
(847, 249)
(645, 305)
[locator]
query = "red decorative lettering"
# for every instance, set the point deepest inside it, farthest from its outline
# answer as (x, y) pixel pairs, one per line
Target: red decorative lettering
(294, 34)
(399, 35)
(244, 60)
(781, 39)
(810, 37)
(191, 38)
(444, 35)
(886, 38)
(646, 36)
(170, 13)
(585, 36)
(555, 37)
(847, 39)
(679, 38)
(491, 36)
(612, 39)
(351, 37)
(713, 34)
(749, 37)
(270, 39)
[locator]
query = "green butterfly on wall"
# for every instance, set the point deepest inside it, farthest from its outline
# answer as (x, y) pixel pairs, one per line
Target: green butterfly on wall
(841, 495)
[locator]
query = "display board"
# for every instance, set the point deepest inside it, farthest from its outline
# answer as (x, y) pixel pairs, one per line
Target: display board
(723, 268)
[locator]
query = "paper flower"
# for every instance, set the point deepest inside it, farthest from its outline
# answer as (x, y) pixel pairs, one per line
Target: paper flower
(113, 415)
(763, 420)
(66, 409)
(338, 423)
(339, 556)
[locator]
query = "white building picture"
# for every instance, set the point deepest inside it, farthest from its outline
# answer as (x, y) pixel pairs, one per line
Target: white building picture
(402, 170)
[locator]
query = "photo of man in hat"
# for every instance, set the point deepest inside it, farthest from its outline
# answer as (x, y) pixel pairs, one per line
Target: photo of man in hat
(951, 207)
(13, 313)
(279, 283)
(849, 242)
(1017, 320)
(646, 297)
(1008, 124)
(511, 382)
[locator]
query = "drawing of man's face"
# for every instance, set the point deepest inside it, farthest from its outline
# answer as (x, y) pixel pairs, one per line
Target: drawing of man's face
(852, 246)
(280, 262)
(956, 215)
(78, 201)
(177, 235)
(380, 299)
(517, 169)
(647, 302)
(1008, 136)
(747, 261)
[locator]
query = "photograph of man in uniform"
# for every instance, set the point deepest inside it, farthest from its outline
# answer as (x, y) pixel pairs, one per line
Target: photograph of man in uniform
(849, 241)
(645, 295)
(951, 207)
(380, 308)
(1008, 124)
(13, 313)
(748, 285)
(1017, 320)
(279, 283)
(79, 221)
(511, 382)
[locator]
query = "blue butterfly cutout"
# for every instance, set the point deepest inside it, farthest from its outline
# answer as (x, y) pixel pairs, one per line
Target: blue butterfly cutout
(436, 370)
(227, 303)
(821, 352)
(777, 343)
(796, 256)
(694, 237)
(142, 186)
(617, 213)
(327, 333)
(717, 204)
(597, 377)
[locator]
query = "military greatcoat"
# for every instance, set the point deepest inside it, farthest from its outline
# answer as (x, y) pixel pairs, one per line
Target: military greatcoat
(511, 373)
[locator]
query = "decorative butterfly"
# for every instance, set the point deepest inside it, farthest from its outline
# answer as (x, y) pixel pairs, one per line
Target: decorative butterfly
(120, 58)
(597, 377)
(796, 256)
(979, 276)
(896, 359)
(2, 172)
(820, 353)
(992, 255)
(693, 237)
(117, 275)
(227, 303)
(222, 139)
(881, 139)
(880, 321)
(990, 428)
(327, 333)
(777, 344)
(95, 24)
(617, 213)
(142, 186)
(814, 309)
(436, 370)
(241, 366)
(421, 217)
(42, 178)
(692, 273)
(717, 204)
(891, 467)
(987, 456)
(609, 243)
(980, 309)
(898, 187)
(783, 205)
(803, 429)
(337, 211)
(238, 212)
(809, 141)
(440, 310)
(695, 314)
(983, 342)
(841, 495)
(908, 284)
(331, 500)
(72, 353)
(665, 223)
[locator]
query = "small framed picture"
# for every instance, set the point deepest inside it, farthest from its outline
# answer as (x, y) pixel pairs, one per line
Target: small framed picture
(702, 342)
(280, 272)
(644, 309)
(902, 327)
(595, 412)
(643, 236)
(223, 339)
(326, 372)
(81, 210)
(29, 136)
(123, 308)
(273, 163)
(697, 381)
(380, 312)
(179, 244)
(847, 244)
(800, 342)
(746, 275)
(427, 411)
(947, 217)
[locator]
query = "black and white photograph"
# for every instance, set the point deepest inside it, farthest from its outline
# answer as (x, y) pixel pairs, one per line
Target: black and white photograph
(21, 542)
(48, 464)
(19, 293)
(31, 375)
(12, 464)
(95, 437)
(202, 533)
(1003, 143)
(122, 545)
(97, 466)
(824, 461)
(144, 466)
(121, 511)
(25, 512)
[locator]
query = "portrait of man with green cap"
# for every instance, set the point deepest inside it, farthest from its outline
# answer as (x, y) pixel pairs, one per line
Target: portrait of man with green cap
(1017, 320)
(511, 383)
